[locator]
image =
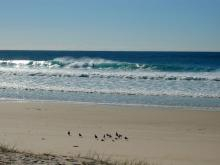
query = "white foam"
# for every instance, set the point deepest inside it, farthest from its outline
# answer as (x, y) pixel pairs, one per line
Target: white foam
(49, 76)
(137, 74)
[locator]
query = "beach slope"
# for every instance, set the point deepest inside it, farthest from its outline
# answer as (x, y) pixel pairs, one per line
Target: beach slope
(183, 136)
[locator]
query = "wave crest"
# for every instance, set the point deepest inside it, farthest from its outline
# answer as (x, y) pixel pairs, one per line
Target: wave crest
(99, 63)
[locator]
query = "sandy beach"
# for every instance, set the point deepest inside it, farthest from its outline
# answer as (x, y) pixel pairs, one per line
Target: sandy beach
(158, 135)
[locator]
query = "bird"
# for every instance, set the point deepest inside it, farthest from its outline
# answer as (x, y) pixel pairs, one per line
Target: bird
(116, 134)
(102, 140)
(103, 136)
(68, 133)
(109, 135)
(80, 135)
(126, 138)
(96, 137)
(120, 136)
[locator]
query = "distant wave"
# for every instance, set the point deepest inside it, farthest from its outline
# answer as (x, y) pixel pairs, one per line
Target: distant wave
(99, 63)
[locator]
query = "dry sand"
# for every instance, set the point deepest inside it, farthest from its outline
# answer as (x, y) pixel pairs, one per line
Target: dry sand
(159, 135)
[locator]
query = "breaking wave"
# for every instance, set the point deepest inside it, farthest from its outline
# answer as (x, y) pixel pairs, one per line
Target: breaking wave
(99, 63)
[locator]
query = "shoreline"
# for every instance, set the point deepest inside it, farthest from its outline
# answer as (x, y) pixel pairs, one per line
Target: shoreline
(158, 135)
(164, 107)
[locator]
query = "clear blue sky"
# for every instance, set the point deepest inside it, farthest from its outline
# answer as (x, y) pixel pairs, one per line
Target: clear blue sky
(110, 24)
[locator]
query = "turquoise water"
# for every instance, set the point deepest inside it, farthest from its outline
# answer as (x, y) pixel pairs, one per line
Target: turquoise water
(145, 78)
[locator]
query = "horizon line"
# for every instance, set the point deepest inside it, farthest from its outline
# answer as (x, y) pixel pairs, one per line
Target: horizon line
(79, 50)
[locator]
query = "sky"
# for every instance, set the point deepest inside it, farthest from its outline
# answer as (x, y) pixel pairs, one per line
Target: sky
(155, 25)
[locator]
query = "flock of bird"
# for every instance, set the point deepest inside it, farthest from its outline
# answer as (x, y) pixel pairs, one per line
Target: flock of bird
(106, 136)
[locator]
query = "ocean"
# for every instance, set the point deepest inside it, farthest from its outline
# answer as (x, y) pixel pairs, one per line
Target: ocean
(112, 77)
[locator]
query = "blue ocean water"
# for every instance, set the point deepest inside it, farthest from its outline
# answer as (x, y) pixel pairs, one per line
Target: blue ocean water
(144, 78)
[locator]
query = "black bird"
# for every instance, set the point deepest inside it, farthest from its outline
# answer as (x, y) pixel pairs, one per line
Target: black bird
(80, 135)
(68, 133)
(109, 135)
(117, 134)
(126, 138)
(96, 137)
(102, 140)
(103, 136)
